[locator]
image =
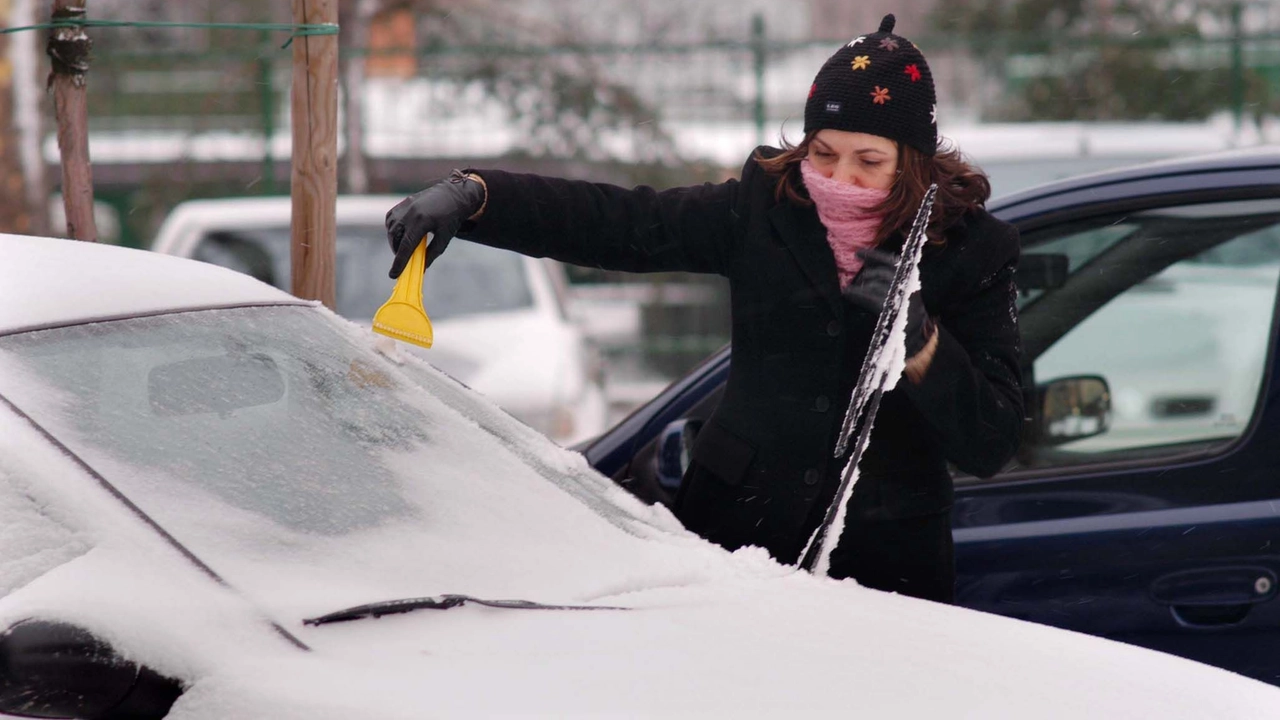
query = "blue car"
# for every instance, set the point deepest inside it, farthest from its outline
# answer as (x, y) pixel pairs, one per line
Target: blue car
(1144, 504)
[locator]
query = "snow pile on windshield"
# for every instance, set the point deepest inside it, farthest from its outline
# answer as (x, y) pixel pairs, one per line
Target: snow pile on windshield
(34, 541)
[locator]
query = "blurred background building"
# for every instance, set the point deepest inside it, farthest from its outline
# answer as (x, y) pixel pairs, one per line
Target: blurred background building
(662, 92)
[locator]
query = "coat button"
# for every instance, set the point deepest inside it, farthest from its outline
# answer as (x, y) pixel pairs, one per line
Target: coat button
(811, 477)
(833, 328)
(822, 403)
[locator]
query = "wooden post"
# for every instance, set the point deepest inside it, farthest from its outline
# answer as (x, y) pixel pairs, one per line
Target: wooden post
(68, 49)
(28, 125)
(314, 179)
(14, 214)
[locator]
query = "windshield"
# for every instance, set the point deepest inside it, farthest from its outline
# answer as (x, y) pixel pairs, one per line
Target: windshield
(311, 472)
(474, 279)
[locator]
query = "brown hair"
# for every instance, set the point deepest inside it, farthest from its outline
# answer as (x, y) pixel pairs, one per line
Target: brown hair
(961, 187)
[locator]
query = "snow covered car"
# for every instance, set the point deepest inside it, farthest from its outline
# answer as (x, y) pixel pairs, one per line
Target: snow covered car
(210, 490)
(499, 317)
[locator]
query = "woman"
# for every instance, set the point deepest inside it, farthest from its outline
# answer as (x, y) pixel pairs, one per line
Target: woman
(806, 238)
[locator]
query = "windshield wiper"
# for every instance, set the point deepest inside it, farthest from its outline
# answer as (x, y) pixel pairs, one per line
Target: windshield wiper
(439, 602)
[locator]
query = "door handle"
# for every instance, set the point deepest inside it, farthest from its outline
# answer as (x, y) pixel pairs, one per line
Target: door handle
(1214, 596)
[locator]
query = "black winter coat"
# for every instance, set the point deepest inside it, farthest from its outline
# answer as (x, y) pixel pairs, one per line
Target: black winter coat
(763, 469)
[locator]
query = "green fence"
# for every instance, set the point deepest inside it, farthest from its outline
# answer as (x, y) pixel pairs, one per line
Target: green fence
(667, 113)
(207, 115)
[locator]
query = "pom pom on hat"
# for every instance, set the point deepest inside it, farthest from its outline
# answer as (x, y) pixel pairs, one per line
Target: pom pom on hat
(878, 84)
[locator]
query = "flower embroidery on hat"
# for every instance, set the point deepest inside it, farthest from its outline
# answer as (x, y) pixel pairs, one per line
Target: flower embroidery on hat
(913, 72)
(856, 40)
(889, 44)
(861, 62)
(880, 95)
(813, 89)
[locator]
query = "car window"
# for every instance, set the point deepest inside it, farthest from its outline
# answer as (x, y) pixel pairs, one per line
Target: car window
(1173, 308)
(469, 280)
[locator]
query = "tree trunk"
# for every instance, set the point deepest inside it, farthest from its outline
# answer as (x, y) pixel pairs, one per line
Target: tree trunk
(24, 200)
(314, 179)
(14, 217)
(69, 50)
(27, 182)
(356, 31)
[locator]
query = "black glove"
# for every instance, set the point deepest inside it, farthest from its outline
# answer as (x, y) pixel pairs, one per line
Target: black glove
(870, 288)
(440, 209)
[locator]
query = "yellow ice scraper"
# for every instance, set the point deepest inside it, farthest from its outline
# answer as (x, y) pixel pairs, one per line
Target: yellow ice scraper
(403, 317)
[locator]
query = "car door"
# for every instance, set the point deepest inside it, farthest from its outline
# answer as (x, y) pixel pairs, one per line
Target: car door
(1152, 515)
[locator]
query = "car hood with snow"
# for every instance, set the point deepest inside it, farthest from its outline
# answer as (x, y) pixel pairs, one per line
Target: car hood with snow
(193, 467)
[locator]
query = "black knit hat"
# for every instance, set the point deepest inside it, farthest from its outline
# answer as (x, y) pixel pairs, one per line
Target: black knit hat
(877, 84)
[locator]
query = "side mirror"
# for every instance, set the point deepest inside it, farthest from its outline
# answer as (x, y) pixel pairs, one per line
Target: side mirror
(1072, 408)
(1041, 271)
(675, 448)
(56, 670)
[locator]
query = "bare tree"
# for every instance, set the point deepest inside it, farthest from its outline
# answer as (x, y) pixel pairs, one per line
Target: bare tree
(1106, 60)
(24, 208)
(354, 18)
(530, 57)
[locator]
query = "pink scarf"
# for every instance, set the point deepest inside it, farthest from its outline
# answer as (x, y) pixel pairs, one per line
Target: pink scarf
(842, 207)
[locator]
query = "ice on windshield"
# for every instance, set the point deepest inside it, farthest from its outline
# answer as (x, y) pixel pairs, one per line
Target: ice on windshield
(311, 472)
(475, 279)
(154, 393)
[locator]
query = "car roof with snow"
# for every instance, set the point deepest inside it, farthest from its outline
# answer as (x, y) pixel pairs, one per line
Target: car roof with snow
(74, 282)
(1253, 166)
